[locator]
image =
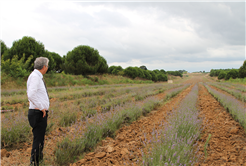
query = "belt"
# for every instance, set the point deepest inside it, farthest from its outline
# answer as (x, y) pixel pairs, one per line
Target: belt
(35, 110)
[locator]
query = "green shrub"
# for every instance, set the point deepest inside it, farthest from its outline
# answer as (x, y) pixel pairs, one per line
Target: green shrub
(233, 73)
(16, 68)
(222, 75)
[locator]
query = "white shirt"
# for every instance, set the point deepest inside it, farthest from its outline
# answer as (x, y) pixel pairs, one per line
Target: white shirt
(36, 91)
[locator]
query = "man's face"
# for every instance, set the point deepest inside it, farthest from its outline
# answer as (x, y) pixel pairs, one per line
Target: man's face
(45, 68)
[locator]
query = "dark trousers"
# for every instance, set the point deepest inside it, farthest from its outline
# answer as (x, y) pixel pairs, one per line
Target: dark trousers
(38, 124)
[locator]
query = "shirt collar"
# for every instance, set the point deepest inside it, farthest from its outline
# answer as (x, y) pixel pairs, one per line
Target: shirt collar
(38, 72)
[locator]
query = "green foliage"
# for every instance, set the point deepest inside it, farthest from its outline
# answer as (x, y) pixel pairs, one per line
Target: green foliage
(58, 61)
(162, 77)
(147, 74)
(222, 75)
(153, 76)
(233, 73)
(28, 46)
(16, 68)
(216, 72)
(115, 69)
(131, 72)
(84, 60)
(175, 73)
(3, 47)
(242, 70)
(52, 63)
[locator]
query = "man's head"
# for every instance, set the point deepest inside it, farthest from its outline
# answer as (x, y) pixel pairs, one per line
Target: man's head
(41, 64)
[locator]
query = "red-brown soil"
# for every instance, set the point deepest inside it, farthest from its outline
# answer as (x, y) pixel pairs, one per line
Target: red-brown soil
(125, 148)
(227, 145)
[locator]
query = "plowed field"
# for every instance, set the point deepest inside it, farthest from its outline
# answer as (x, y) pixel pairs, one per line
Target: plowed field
(226, 146)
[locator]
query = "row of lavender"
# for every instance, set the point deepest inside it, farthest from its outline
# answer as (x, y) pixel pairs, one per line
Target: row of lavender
(173, 144)
(103, 125)
(15, 127)
(236, 108)
(239, 87)
(72, 93)
(237, 91)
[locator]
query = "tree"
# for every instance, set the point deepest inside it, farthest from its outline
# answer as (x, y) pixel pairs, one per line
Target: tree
(52, 63)
(143, 67)
(84, 60)
(58, 61)
(242, 70)
(233, 73)
(28, 46)
(4, 48)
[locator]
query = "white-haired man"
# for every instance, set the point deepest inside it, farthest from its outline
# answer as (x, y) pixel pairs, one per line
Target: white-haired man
(38, 107)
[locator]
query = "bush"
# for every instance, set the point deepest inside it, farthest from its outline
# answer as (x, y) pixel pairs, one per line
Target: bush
(153, 76)
(162, 77)
(233, 73)
(147, 74)
(131, 72)
(16, 68)
(222, 75)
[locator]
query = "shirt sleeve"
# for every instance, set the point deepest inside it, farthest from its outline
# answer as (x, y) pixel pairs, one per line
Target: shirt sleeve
(32, 92)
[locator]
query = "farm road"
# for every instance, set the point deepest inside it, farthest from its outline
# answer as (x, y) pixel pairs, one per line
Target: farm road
(227, 145)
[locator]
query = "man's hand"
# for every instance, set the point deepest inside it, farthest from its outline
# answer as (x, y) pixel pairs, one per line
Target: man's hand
(44, 112)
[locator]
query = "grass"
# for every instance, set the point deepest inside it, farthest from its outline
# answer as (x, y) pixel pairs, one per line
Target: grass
(61, 79)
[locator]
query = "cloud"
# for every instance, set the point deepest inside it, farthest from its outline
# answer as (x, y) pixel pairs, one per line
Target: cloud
(168, 35)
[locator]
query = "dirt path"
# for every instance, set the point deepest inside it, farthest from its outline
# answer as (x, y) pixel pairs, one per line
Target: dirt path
(227, 145)
(125, 149)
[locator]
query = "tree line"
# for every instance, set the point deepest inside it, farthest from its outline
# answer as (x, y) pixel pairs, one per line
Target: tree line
(18, 60)
(229, 73)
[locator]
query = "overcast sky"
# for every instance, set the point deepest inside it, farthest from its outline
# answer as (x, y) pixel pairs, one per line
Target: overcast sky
(192, 36)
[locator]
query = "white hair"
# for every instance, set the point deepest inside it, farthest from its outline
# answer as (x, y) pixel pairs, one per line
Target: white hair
(40, 62)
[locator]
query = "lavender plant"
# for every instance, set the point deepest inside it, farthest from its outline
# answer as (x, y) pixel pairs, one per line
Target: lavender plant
(233, 106)
(15, 129)
(235, 92)
(173, 143)
(103, 125)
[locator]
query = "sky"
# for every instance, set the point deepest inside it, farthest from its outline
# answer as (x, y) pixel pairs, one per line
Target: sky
(176, 35)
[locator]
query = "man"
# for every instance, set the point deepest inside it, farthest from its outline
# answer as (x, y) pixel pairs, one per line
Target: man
(38, 107)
